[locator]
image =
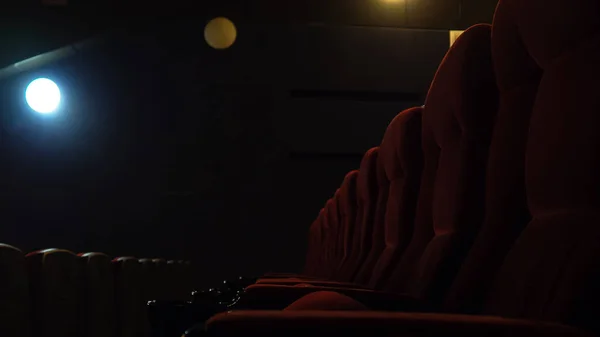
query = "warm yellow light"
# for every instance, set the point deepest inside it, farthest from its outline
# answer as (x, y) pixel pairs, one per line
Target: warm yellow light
(391, 1)
(220, 33)
(454, 34)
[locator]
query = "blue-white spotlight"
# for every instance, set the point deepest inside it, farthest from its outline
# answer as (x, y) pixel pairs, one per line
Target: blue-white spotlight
(42, 95)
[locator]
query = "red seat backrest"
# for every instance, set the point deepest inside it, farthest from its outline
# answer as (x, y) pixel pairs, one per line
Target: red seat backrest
(131, 315)
(402, 162)
(458, 119)
(335, 224)
(553, 270)
(366, 185)
(98, 303)
(326, 248)
(335, 236)
(377, 243)
(347, 210)
(506, 210)
(55, 290)
(332, 235)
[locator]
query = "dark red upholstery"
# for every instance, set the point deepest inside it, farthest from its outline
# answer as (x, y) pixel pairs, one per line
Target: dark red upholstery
(347, 210)
(378, 232)
(365, 212)
(398, 174)
(402, 147)
(557, 256)
(458, 120)
(336, 302)
(552, 272)
(506, 208)
(376, 324)
(507, 212)
(328, 248)
(402, 161)
(399, 165)
(335, 236)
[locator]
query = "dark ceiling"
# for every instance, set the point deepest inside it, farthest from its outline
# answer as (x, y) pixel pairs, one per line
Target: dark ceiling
(31, 27)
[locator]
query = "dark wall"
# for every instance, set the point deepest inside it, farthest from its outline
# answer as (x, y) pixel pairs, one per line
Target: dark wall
(167, 148)
(31, 27)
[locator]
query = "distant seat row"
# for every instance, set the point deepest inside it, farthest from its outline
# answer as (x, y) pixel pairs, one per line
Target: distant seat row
(54, 292)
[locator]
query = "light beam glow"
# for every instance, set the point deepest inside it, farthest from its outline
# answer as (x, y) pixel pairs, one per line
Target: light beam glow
(42, 95)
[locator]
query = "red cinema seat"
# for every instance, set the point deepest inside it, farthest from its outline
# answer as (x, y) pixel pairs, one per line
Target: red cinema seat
(556, 256)
(259, 295)
(506, 209)
(344, 233)
(365, 214)
(151, 287)
(548, 284)
(334, 236)
(326, 249)
(55, 290)
(458, 120)
(161, 279)
(402, 162)
(364, 273)
(98, 296)
(14, 293)
(323, 250)
(397, 171)
(399, 163)
(131, 311)
(172, 289)
(347, 210)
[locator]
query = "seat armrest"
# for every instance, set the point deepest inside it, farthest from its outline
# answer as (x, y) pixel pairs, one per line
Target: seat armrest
(318, 283)
(276, 297)
(285, 275)
(370, 323)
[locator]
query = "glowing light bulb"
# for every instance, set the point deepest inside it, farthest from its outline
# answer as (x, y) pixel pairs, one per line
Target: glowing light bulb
(42, 95)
